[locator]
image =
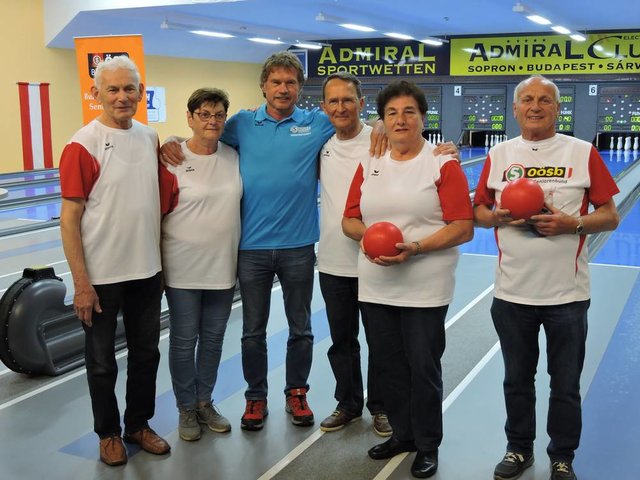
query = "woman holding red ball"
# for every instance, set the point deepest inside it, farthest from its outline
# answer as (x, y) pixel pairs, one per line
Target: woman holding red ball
(406, 296)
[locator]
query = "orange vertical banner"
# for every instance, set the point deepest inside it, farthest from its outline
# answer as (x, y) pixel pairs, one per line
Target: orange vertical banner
(90, 51)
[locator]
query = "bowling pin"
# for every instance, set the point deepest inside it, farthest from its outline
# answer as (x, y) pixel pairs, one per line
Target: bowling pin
(611, 143)
(627, 143)
(619, 145)
(439, 138)
(635, 143)
(486, 140)
(429, 138)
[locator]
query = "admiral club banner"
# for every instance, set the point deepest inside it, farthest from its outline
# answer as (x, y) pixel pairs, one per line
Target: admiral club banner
(90, 51)
(379, 58)
(602, 53)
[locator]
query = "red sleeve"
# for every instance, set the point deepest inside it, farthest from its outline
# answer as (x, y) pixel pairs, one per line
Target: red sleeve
(453, 190)
(603, 186)
(484, 195)
(79, 171)
(352, 207)
(169, 190)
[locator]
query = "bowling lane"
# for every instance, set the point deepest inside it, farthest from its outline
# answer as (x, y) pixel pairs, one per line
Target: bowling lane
(619, 160)
(31, 176)
(22, 192)
(473, 153)
(623, 245)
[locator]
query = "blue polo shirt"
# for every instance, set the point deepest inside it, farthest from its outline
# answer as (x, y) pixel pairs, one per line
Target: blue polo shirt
(279, 169)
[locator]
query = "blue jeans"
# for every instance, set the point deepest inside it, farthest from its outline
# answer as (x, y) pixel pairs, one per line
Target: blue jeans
(407, 345)
(565, 327)
(139, 301)
(343, 314)
(198, 321)
(256, 270)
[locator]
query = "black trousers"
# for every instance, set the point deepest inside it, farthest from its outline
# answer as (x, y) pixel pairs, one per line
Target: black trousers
(140, 304)
(407, 345)
(343, 313)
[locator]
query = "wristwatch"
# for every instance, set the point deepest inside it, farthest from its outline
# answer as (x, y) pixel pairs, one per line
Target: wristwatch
(579, 227)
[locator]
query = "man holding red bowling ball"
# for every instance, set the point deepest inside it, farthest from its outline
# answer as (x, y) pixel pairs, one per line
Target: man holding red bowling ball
(542, 277)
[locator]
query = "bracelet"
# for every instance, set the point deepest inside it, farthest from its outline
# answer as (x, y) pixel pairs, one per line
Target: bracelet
(418, 248)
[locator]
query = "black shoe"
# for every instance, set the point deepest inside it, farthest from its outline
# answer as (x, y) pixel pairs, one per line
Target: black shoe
(562, 471)
(391, 448)
(512, 466)
(425, 464)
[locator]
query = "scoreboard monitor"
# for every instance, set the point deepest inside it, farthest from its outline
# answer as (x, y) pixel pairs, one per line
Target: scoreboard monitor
(484, 108)
(564, 123)
(619, 109)
(433, 119)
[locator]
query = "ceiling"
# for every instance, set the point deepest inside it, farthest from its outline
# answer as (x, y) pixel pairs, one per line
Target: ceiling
(293, 20)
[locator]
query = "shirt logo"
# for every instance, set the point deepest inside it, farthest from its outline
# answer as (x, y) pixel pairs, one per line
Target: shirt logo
(108, 145)
(516, 171)
(326, 153)
(297, 131)
(375, 173)
(190, 169)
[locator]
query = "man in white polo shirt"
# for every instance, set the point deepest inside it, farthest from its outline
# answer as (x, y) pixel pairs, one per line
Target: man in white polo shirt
(110, 228)
(542, 277)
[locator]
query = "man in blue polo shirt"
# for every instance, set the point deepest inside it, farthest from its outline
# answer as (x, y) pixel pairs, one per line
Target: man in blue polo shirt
(278, 146)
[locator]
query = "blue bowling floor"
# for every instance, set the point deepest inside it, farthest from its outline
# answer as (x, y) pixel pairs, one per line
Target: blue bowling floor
(51, 416)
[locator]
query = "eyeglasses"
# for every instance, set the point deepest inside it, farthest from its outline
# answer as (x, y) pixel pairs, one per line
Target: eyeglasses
(206, 116)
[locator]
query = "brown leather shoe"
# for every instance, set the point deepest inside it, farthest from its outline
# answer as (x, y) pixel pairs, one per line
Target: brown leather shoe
(112, 451)
(148, 440)
(381, 425)
(337, 420)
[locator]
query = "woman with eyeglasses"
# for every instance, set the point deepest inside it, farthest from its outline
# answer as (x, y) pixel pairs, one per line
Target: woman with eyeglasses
(200, 236)
(405, 297)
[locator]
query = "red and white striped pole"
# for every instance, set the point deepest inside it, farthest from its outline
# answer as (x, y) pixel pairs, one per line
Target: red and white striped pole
(35, 120)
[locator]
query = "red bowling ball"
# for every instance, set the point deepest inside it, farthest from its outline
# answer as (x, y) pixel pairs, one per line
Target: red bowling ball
(380, 240)
(523, 198)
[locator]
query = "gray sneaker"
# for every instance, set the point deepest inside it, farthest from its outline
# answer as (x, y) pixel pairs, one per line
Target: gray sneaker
(210, 416)
(188, 426)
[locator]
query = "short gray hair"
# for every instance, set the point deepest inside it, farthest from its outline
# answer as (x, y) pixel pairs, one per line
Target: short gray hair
(345, 77)
(543, 80)
(120, 62)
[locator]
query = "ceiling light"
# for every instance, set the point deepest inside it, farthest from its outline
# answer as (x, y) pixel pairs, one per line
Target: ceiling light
(208, 33)
(538, 19)
(270, 41)
(199, 30)
(561, 29)
(310, 46)
(400, 36)
(437, 42)
(359, 28)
